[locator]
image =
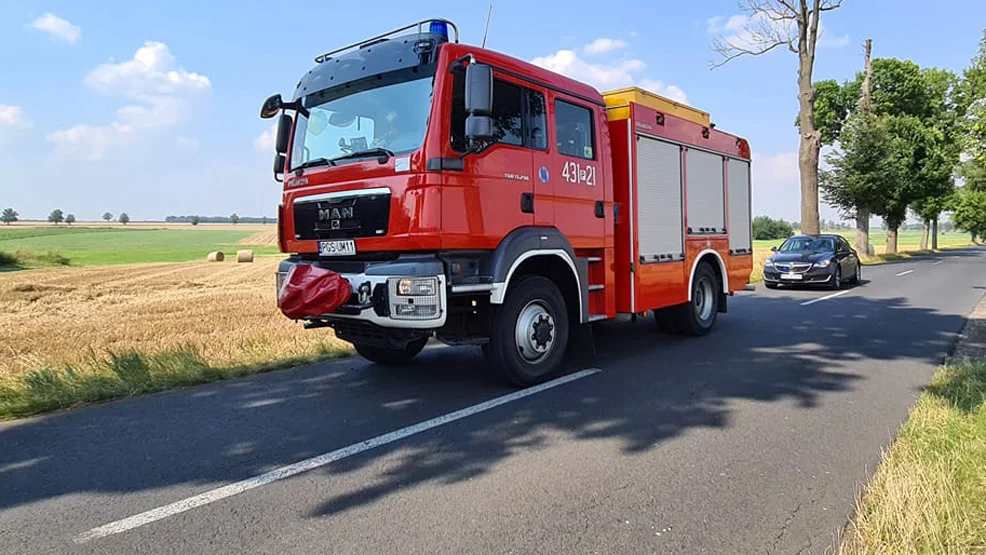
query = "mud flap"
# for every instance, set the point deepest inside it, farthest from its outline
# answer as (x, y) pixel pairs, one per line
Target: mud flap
(581, 346)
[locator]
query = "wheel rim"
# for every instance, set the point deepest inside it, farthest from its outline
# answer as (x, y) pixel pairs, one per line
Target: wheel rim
(534, 332)
(859, 273)
(703, 299)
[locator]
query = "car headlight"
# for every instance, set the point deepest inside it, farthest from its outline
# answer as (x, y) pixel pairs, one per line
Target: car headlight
(823, 263)
(768, 263)
(417, 287)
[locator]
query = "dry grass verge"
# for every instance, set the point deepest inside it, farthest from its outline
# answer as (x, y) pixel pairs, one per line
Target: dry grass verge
(75, 322)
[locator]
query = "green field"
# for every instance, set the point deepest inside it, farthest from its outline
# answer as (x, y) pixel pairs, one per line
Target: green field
(878, 237)
(101, 246)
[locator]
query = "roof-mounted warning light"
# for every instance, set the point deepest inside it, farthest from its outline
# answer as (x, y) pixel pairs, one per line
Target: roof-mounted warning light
(436, 26)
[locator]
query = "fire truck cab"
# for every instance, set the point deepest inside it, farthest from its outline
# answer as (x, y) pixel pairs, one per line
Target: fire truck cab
(470, 196)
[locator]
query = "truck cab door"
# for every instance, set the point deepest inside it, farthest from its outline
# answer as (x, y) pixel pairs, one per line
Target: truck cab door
(494, 194)
(577, 173)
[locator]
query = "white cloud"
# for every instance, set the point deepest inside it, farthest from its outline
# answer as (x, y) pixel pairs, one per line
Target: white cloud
(57, 28)
(608, 74)
(265, 141)
(187, 143)
(603, 45)
(162, 89)
(670, 91)
(750, 32)
(13, 116)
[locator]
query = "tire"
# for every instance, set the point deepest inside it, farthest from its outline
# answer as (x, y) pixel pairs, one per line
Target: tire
(529, 333)
(857, 278)
(391, 357)
(666, 320)
(836, 282)
(770, 285)
(699, 315)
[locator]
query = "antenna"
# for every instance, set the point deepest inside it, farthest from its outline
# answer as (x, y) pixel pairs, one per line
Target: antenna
(487, 31)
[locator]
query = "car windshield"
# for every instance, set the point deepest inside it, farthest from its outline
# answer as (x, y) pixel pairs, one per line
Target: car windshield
(392, 117)
(808, 244)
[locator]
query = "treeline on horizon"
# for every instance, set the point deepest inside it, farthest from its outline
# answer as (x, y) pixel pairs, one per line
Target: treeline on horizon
(221, 219)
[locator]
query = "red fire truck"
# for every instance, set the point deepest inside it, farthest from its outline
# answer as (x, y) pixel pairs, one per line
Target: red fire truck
(466, 195)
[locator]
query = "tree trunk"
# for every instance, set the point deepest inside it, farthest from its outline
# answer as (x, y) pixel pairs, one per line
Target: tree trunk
(934, 234)
(924, 236)
(892, 240)
(863, 231)
(811, 142)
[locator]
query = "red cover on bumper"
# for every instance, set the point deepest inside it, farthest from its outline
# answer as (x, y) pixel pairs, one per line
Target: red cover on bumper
(312, 291)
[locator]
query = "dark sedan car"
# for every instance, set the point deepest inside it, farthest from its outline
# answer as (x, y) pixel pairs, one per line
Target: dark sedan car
(812, 260)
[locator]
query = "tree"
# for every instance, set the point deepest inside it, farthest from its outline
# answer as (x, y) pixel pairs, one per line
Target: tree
(263, 220)
(775, 23)
(970, 212)
(8, 216)
(56, 216)
(70, 219)
(767, 228)
(194, 220)
(124, 218)
(234, 218)
(107, 216)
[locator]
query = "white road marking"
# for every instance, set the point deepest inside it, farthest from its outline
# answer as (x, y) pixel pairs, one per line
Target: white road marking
(825, 298)
(937, 263)
(904, 273)
(217, 494)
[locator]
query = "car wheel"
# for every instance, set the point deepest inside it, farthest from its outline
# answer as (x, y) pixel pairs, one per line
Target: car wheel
(529, 332)
(770, 285)
(391, 357)
(858, 277)
(836, 278)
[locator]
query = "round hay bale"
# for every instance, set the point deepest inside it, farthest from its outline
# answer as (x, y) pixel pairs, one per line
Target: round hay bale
(245, 255)
(216, 256)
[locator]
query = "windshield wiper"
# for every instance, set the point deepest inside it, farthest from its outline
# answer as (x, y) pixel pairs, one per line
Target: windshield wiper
(315, 162)
(382, 154)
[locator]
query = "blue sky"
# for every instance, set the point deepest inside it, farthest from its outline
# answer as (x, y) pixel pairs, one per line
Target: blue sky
(152, 109)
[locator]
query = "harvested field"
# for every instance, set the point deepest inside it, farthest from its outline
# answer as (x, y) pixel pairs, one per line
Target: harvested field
(70, 316)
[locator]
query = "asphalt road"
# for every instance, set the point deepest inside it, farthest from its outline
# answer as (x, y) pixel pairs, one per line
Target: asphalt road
(753, 439)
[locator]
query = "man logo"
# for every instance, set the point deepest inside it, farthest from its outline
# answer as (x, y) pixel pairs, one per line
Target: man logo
(335, 213)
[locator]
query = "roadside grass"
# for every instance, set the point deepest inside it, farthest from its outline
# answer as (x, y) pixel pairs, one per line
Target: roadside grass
(21, 259)
(130, 373)
(929, 494)
(94, 246)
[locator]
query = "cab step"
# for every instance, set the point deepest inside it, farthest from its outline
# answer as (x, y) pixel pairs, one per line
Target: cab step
(596, 317)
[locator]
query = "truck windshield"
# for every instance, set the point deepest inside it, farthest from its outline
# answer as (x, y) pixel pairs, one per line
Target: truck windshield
(393, 116)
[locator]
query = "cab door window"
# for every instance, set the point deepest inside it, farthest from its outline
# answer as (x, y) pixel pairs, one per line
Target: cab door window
(518, 115)
(573, 130)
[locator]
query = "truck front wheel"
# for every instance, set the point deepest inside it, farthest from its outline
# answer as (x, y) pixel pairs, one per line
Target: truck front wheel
(391, 357)
(529, 332)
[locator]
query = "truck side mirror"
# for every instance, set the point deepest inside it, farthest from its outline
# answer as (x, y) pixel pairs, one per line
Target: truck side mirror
(283, 131)
(271, 106)
(479, 102)
(279, 161)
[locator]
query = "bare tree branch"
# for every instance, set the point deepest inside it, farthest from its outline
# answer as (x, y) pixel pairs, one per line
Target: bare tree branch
(730, 53)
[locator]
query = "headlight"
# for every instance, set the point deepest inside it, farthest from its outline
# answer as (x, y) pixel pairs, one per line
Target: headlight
(417, 287)
(823, 263)
(768, 263)
(414, 298)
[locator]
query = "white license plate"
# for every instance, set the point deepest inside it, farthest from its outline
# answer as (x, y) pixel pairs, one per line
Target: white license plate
(337, 248)
(792, 276)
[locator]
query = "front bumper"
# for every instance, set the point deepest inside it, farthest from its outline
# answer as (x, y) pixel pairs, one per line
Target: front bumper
(374, 299)
(813, 276)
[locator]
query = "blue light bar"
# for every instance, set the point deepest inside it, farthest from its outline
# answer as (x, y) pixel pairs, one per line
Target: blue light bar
(439, 28)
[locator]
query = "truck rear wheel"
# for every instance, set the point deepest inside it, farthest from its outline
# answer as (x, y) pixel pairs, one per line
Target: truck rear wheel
(699, 315)
(391, 357)
(529, 332)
